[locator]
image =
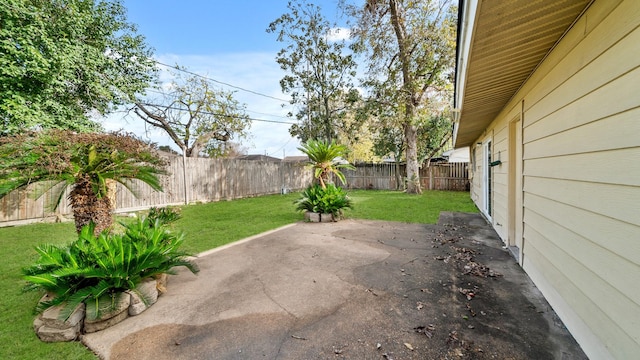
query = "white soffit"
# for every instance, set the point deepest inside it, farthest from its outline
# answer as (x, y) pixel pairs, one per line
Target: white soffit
(501, 43)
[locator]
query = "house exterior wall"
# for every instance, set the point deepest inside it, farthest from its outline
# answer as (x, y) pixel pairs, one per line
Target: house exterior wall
(580, 129)
(458, 155)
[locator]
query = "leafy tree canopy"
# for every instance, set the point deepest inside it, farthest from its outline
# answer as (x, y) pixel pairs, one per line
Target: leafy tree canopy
(409, 48)
(228, 149)
(62, 61)
(320, 71)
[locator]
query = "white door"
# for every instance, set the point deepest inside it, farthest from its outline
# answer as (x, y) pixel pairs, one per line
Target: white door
(515, 186)
(486, 179)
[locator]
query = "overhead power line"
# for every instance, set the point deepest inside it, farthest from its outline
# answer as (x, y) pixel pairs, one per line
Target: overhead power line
(220, 114)
(261, 113)
(247, 110)
(219, 82)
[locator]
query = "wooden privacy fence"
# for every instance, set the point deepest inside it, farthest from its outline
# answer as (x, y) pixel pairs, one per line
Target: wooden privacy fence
(439, 176)
(373, 176)
(207, 180)
(445, 176)
(225, 179)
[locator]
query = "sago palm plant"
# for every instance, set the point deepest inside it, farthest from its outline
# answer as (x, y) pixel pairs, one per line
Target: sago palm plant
(54, 160)
(326, 159)
(331, 200)
(95, 268)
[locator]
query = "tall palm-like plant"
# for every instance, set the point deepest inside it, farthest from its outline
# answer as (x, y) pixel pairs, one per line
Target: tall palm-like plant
(54, 160)
(326, 159)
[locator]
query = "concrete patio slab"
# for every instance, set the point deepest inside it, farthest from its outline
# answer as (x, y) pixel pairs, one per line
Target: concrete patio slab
(349, 290)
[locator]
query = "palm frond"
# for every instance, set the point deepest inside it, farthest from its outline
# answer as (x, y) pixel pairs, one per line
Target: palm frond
(45, 281)
(105, 264)
(98, 299)
(55, 157)
(9, 185)
(330, 200)
(326, 159)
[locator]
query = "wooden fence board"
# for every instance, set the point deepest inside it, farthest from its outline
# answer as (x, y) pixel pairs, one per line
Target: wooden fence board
(207, 180)
(225, 179)
(441, 176)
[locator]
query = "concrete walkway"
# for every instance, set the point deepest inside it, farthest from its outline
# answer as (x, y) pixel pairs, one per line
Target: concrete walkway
(353, 290)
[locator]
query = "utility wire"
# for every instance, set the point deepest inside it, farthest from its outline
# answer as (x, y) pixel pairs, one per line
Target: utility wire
(247, 110)
(219, 82)
(282, 147)
(261, 113)
(220, 114)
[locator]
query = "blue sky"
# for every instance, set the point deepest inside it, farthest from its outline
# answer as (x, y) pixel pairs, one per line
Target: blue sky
(211, 26)
(224, 40)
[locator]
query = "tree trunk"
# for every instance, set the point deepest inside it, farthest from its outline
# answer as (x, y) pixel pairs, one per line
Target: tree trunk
(87, 207)
(413, 168)
(328, 129)
(409, 99)
(112, 187)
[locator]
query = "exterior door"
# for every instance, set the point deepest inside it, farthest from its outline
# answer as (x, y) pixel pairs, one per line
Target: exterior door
(515, 241)
(487, 181)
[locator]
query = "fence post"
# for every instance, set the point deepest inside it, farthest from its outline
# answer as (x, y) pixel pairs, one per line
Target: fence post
(430, 172)
(184, 174)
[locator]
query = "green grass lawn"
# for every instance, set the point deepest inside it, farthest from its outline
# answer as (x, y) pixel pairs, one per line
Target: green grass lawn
(398, 206)
(205, 226)
(16, 308)
(210, 225)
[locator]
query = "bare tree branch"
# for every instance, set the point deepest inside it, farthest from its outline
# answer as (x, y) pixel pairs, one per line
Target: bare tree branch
(157, 121)
(194, 114)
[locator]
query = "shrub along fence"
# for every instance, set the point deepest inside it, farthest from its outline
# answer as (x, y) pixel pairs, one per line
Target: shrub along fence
(206, 180)
(226, 179)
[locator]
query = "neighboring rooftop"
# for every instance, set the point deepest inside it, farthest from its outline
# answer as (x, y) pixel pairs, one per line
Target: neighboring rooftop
(296, 158)
(257, 157)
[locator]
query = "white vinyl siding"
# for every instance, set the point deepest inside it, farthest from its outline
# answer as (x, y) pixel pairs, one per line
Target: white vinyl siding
(581, 178)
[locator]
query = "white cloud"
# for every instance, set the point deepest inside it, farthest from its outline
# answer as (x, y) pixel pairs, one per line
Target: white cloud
(257, 72)
(338, 34)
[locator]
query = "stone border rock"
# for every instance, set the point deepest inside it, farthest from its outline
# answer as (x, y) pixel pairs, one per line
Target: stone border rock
(50, 328)
(311, 216)
(108, 318)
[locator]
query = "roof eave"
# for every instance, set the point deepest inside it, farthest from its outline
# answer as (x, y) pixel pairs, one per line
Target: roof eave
(467, 13)
(500, 45)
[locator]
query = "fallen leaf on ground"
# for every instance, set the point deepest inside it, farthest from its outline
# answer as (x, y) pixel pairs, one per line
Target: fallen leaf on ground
(453, 337)
(473, 313)
(469, 293)
(372, 292)
(426, 330)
